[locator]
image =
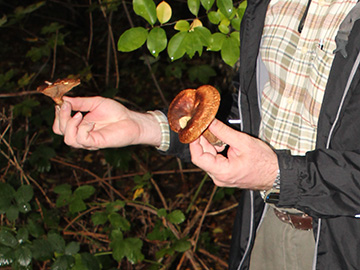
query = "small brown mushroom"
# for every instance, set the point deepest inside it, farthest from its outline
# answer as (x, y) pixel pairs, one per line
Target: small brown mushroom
(57, 89)
(191, 112)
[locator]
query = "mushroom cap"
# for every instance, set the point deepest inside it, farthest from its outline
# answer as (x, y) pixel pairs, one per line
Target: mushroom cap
(57, 89)
(199, 105)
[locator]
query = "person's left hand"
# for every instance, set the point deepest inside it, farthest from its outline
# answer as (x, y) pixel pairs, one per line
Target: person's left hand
(250, 162)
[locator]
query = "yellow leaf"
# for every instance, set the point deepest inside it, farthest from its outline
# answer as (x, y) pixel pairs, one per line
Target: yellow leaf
(138, 193)
(163, 12)
(88, 158)
(218, 230)
(195, 23)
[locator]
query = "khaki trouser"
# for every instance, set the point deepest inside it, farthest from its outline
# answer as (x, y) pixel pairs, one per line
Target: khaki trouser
(278, 246)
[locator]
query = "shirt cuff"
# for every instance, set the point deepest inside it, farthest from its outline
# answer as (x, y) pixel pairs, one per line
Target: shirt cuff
(165, 129)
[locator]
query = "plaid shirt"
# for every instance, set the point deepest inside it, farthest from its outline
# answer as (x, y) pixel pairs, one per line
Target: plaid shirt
(298, 65)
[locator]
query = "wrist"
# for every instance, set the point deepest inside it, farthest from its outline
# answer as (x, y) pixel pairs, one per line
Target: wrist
(149, 129)
(164, 130)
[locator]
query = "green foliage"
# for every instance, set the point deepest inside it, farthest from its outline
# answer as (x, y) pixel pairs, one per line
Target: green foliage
(191, 38)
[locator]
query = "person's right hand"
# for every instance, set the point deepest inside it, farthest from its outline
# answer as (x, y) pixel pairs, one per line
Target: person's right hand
(106, 123)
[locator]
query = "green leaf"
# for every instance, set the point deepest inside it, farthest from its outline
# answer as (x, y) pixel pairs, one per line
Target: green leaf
(42, 249)
(133, 250)
(132, 39)
(224, 26)
(12, 213)
(25, 108)
(86, 261)
(72, 248)
(216, 41)
(214, 17)
(77, 205)
(24, 194)
(226, 7)
(63, 263)
(193, 44)
(3, 20)
(162, 212)
(63, 189)
(235, 23)
(156, 41)
(6, 256)
(207, 4)
(159, 233)
(163, 12)
(182, 26)
(181, 245)
(194, 6)
(145, 9)
(119, 222)
(119, 158)
(176, 48)
(201, 73)
(99, 218)
(84, 192)
(204, 35)
(230, 50)
(31, 8)
(7, 239)
(63, 199)
(24, 207)
(51, 28)
(7, 193)
(22, 235)
(40, 158)
(23, 256)
(57, 242)
(176, 217)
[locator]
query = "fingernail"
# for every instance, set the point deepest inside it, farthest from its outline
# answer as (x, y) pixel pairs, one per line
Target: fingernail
(78, 115)
(64, 106)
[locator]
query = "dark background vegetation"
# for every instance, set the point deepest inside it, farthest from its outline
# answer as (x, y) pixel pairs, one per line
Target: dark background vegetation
(169, 207)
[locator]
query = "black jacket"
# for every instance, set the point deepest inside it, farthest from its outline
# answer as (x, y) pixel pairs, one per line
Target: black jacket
(325, 183)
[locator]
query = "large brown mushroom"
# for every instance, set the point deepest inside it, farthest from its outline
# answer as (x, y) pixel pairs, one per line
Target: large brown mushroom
(191, 112)
(57, 89)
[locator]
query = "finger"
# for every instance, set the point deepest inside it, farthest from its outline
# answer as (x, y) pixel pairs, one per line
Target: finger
(207, 147)
(64, 116)
(84, 104)
(207, 161)
(71, 134)
(86, 136)
(227, 134)
(56, 124)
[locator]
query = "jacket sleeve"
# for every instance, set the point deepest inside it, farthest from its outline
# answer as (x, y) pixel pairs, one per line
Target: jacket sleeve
(323, 183)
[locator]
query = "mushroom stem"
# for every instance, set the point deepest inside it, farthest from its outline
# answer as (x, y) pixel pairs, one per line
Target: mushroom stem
(212, 138)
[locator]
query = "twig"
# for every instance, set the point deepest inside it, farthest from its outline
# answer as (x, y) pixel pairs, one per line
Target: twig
(197, 232)
(219, 212)
(19, 94)
(111, 34)
(54, 55)
(214, 258)
(79, 216)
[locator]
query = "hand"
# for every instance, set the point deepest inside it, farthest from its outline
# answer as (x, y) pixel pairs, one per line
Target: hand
(106, 123)
(250, 163)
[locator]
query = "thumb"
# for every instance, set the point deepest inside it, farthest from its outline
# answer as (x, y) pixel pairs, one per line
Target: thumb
(226, 134)
(83, 104)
